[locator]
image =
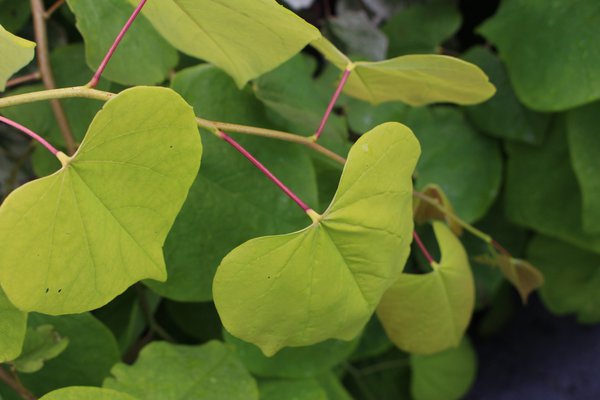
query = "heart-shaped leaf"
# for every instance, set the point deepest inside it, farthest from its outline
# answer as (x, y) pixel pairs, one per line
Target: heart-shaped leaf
(16, 53)
(13, 324)
(74, 240)
(246, 38)
(425, 314)
(414, 79)
(286, 290)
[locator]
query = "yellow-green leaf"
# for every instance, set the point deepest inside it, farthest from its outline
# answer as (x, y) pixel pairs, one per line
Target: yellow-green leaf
(16, 53)
(246, 38)
(425, 314)
(286, 290)
(414, 79)
(74, 240)
(13, 324)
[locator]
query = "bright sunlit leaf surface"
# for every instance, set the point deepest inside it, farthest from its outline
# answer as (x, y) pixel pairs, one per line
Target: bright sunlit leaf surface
(16, 53)
(72, 241)
(428, 313)
(325, 281)
(246, 38)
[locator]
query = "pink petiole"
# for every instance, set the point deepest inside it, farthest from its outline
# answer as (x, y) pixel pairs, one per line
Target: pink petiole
(424, 250)
(332, 102)
(113, 48)
(30, 133)
(265, 171)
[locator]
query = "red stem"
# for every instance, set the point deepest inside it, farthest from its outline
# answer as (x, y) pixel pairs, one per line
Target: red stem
(30, 133)
(264, 170)
(113, 48)
(500, 248)
(332, 102)
(430, 259)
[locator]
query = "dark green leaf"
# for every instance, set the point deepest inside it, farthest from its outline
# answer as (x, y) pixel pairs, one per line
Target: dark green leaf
(503, 116)
(550, 70)
(464, 163)
(421, 28)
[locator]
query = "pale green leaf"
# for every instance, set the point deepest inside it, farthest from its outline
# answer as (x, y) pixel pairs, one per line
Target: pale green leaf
(464, 163)
(447, 375)
(100, 222)
(301, 389)
(166, 371)
(428, 313)
(414, 79)
(246, 38)
(572, 278)
(549, 70)
(16, 53)
(13, 324)
(87, 360)
(421, 27)
(87, 393)
(42, 343)
(503, 116)
(231, 201)
(583, 125)
(542, 192)
(292, 362)
(142, 58)
(285, 290)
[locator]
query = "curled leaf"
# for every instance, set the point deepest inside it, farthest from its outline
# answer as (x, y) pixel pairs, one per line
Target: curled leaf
(424, 211)
(520, 273)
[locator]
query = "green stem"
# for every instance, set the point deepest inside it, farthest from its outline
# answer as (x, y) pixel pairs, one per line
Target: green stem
(470, 228)
(272, 134)
(65, 93)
